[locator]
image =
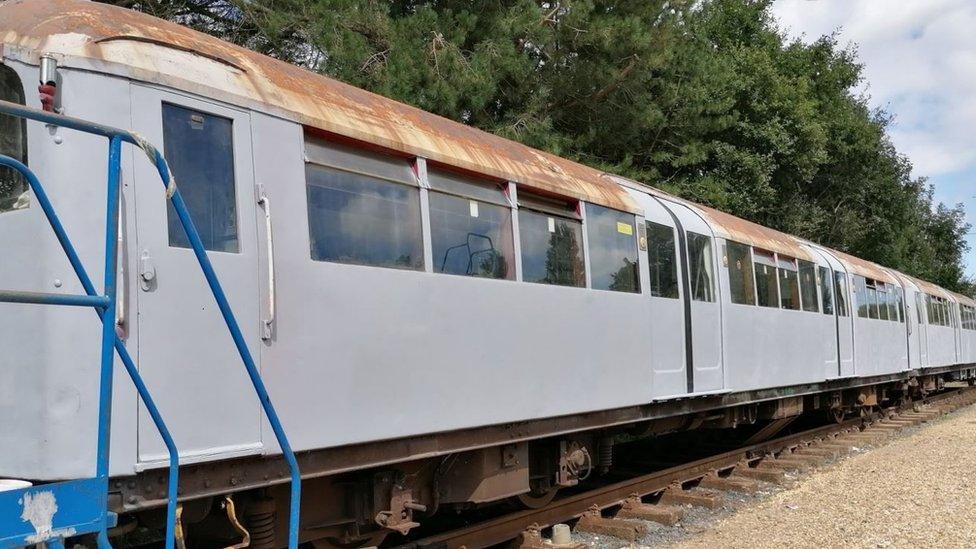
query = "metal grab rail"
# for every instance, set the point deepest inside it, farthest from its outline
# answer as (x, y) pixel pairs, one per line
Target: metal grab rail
(109, 339)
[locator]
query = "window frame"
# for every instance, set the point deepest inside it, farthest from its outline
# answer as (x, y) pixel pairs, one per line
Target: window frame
(748, 277)
(588, 208)
(675, 260)
(768, 260)
(566, 210)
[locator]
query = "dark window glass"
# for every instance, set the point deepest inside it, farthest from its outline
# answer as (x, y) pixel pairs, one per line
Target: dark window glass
(14, 193)
(767, 290)
(826, 296)
(701, 270)
(741, 286)
(840, 292)
(892, 302)
(470, 237)
(872, 300)
(363, 220)
(789, 285)
(931, 310)
(861, 294)
(883, 312)
(808, 286)
(552, 249)
(661, 259)
(200, 151)
(900, 296)
(613, 249)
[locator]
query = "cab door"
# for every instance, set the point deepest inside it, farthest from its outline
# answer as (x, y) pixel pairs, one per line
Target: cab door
(186, 354)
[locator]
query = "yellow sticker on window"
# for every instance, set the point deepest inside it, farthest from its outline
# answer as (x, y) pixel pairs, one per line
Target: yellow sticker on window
(625, 228)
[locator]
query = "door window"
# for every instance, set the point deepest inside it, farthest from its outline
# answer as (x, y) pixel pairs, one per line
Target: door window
(741, 286)
(700, 268)
(200, 150)
(661, 260)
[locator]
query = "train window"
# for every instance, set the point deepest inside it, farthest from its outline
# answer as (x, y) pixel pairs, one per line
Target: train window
(840, 291)
(764, 265)
(872, 299)
(789, 285)
(861, 295)
(551, 235)
(470, 227)
(892, 303)
(741, 286)
(932, 307)
(200, 150)
(363, 209)
(808, 286)
(826, 297)
(661, 259)
(700, 269)
(882, 298)
(14, 193)
(900, 304)
(613, 249)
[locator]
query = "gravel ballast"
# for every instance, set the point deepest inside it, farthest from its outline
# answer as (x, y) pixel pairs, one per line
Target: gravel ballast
(918, 490)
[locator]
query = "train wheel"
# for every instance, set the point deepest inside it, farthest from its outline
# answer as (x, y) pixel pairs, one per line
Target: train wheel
(837, 414)
(536, 499)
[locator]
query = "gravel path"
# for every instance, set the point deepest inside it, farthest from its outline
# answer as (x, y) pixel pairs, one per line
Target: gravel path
(918, 490)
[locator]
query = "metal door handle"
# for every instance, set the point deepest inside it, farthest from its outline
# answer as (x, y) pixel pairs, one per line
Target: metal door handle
(147, 271)
(269, 321)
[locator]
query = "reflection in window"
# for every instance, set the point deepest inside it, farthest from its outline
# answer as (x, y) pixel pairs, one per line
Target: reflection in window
(861, 294)
(700, 270)
(552, 245)
(808, 286)
(613, 249)
(741, 286)
(200, 151)
(14, 193)
(882, 294)
(767, 291)
(840, 291)
(363, 220)
(662, 261)
(470, 237)
(789, 285)
(872, 299)
(826, 298)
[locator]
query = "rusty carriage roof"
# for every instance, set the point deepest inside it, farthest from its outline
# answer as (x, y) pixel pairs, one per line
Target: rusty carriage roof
(118, 41)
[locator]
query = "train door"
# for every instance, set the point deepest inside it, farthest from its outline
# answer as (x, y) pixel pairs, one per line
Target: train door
(670, 319)
(923, 331)
(186, 354)
(830, 334)
(911, 324)
(700, 263)
(843, 314)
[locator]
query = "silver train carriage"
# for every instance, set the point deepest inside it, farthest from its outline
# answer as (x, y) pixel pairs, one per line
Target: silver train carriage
(432, 290)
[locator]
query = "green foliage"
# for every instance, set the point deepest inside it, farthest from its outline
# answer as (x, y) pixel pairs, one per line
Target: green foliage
(708, 100)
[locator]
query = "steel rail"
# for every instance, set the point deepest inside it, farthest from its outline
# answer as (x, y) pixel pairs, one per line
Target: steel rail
(509, 527)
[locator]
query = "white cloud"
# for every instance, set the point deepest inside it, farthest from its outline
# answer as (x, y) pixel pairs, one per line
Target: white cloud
(919, 63)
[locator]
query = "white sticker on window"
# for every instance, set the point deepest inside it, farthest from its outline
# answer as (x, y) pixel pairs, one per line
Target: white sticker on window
(473, 207)
(552, 225)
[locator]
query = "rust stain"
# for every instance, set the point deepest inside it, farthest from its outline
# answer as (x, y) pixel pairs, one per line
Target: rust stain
(141, 47)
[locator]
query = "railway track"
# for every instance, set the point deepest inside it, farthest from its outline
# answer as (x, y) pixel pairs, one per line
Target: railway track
(620, 509)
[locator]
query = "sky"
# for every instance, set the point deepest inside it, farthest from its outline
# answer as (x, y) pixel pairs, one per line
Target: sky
(919, 61)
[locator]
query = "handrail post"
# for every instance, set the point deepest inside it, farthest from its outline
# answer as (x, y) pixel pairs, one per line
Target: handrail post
(108, 318)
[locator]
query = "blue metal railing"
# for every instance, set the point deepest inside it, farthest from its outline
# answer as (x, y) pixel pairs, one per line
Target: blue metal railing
(105, 305)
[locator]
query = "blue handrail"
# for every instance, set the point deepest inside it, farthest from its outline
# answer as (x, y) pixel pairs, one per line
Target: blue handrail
(107, 311)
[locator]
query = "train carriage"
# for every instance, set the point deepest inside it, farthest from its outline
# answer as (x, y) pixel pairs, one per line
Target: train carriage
(444, 318)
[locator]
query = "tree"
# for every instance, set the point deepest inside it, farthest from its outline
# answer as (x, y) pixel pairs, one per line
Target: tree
(708, 100)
